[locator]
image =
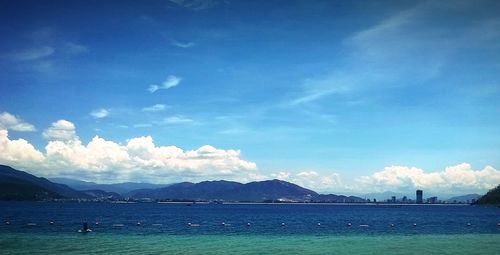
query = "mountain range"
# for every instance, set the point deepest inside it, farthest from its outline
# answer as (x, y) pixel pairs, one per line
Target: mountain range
(464, 198)
(19, 185)
(230, 191)
(120, 188)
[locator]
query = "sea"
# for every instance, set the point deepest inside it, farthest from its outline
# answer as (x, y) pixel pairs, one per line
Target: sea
(170, 228)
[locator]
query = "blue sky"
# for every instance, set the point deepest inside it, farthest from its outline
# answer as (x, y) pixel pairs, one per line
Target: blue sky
(307, 91)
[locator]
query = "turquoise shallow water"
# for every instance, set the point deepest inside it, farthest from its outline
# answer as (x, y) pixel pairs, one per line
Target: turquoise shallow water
(105, 243)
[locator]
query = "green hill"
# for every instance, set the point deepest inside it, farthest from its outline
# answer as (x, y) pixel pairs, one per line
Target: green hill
(17, 189)
(19, 185)
(491, 198)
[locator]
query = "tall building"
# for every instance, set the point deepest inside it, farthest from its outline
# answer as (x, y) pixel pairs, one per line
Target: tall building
(420, 194)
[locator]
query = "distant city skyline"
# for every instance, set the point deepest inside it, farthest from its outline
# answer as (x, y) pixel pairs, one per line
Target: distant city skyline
(336, 96)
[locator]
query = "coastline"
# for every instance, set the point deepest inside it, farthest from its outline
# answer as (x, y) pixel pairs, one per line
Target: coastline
(300, 203)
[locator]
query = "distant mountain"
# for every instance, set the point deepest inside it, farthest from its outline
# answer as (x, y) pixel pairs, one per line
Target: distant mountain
(231, 191)
(331, 198)
(103, 195)
(463, 199)
(492, 197)
(187, 190)
(19, 185)
(120, 188)
(270, 190)
(17, 189)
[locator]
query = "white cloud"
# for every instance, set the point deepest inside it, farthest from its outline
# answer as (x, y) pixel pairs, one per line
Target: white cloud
(143, 125)
(171, 120)
(459, 178)
(107, 161)
(155, 108)
(170, 82)
(281, 175)
(18, 152)
(408, 48)
(141, 159)
(99, 113)
(61, 130)
(184, 45)
(312, 180)
(35, 53)
(9, 121)
(178, 119)
(319, 182)
(233, 131)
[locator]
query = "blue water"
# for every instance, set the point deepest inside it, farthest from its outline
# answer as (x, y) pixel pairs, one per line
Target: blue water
(265, 219)
(164, 229)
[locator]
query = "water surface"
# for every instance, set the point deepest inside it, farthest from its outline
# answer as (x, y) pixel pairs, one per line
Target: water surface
(164, 228)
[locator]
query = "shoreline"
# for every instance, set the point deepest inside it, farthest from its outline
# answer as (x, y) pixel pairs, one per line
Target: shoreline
(298, 203)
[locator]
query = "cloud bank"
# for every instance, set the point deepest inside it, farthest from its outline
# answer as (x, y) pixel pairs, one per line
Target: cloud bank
(107, 161)
(140, 159)
(18, 152)
(459, 177)
(312, 180)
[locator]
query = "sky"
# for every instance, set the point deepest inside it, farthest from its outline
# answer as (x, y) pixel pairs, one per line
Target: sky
(338, 96)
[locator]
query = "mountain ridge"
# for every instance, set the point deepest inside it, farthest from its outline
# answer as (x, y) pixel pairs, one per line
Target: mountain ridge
(120, 188)
(492, 197)
(15, 182)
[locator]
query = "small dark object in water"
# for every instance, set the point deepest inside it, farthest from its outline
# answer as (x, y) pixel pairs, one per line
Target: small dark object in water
(85, 228)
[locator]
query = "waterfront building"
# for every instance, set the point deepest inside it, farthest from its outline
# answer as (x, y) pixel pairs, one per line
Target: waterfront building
(420, 195)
